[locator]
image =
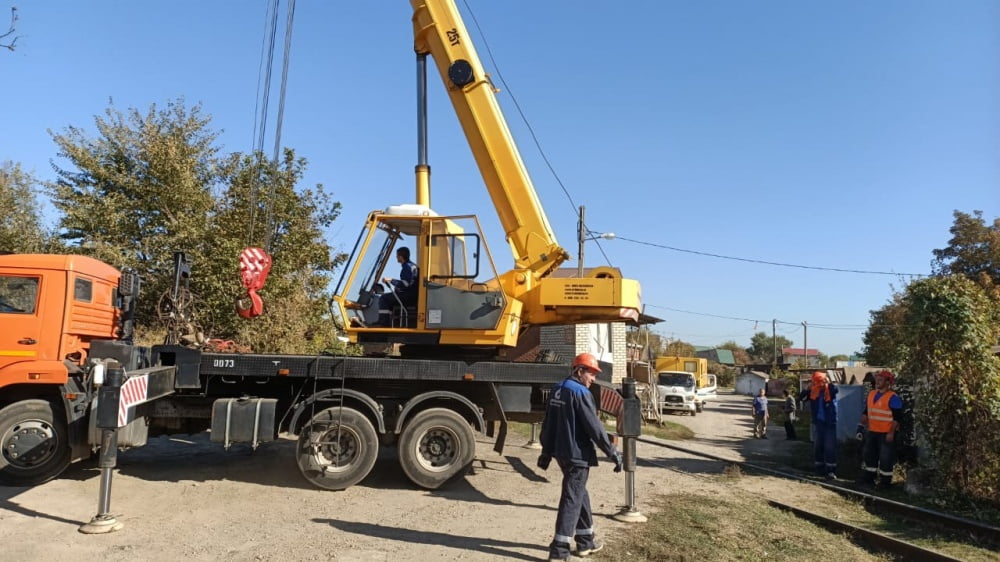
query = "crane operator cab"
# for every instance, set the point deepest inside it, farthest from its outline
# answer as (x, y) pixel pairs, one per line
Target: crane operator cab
(456, 297)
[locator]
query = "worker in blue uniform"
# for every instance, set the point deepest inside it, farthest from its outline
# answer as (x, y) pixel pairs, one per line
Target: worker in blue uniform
(569, 432)
(822, 397)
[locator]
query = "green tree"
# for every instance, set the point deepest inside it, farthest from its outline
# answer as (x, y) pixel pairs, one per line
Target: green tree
(740, 355)
(152, 183)
(20, 224)
(938, 332)
(884, 338)
(951, 324)
(138, 191)
(762, 347)
(295, 295)
(973, 251)
(678, 348)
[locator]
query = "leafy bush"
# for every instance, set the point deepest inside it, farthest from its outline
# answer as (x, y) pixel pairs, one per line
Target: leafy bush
(952, 323)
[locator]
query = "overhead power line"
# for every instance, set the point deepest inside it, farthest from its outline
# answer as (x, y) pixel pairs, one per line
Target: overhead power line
(815, 267)
(705, 314)
(555, 175)
(821, 326)
(517, 106)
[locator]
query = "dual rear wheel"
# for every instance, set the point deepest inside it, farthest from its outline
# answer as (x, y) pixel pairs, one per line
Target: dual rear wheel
(338, 447)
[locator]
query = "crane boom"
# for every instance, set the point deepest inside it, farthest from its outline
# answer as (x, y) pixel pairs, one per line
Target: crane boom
(438, 30)
(458, 298)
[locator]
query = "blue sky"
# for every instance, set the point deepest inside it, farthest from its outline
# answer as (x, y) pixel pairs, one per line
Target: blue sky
(836, 134)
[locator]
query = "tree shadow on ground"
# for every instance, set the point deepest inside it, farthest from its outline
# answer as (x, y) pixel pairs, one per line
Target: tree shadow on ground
(493, 547)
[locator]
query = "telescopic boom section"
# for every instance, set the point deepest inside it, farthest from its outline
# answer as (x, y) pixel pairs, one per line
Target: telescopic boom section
(438, 31)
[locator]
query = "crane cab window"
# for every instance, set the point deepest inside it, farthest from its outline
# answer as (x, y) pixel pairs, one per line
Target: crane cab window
(18, 295)
(462, 287)
(373, 258)
(372, 254)
(457, 256)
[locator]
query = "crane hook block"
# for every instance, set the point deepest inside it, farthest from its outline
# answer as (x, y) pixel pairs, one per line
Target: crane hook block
(255, 264)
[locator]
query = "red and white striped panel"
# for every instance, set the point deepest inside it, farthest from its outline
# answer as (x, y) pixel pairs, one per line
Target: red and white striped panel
(612, 403)
(630, 313)
(134, 392)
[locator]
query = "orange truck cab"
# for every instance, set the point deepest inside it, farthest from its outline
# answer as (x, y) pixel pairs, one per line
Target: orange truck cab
(51, 308)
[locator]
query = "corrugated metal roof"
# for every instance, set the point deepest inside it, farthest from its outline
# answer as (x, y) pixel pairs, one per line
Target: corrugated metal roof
(726, 356)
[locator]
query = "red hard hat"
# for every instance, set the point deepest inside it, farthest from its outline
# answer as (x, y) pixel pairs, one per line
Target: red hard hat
(887, 374)
(819, 377)
(586, 360)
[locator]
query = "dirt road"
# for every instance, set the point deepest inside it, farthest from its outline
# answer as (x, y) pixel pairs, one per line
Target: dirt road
(187, 498)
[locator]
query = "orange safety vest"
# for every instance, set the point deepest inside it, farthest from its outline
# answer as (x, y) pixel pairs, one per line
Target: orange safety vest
(879, 413)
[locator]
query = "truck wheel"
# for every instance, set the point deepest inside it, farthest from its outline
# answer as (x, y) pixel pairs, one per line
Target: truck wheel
(699, 408)
(435, 445)
(34, 443)
(337, 448)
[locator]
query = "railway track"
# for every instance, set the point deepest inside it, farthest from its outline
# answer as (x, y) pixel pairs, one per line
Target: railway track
(976, 531)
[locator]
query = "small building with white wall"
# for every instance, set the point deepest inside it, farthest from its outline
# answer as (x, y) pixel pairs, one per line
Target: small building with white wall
(750, 383)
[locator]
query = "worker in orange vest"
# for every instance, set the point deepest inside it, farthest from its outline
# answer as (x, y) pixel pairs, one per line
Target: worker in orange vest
(881, 417)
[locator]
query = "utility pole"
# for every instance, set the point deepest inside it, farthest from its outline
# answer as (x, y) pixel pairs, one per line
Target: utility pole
(581, 235)
(774, 344)
(805, 344)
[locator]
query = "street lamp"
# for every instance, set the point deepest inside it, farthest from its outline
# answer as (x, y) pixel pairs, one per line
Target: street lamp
(582, 235)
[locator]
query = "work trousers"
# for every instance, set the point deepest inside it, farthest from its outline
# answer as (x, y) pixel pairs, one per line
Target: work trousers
(789, 428)
(825, 448)
(879, 458)
(759, 425)
(575, 519)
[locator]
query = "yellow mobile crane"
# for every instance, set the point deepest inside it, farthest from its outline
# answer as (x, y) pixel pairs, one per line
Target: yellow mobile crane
(461, 300)
(343, 409)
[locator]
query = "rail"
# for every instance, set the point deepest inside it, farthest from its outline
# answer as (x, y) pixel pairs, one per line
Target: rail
(981, 531)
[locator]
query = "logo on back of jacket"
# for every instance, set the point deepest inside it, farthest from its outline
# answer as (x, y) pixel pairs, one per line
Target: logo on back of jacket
(555, 397)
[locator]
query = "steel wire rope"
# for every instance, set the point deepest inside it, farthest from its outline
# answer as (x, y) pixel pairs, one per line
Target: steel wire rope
(261, 108)
(527, 124)
(513, 98)
(607, 259)
(555, 175)
(286, 58)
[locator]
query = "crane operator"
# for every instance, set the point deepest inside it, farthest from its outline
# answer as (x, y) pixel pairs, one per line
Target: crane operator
(404, 288)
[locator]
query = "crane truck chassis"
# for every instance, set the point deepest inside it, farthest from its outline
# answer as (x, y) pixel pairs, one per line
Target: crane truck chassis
(341, 408)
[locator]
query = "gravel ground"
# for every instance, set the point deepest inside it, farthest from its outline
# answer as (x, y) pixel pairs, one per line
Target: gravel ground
(183, 497)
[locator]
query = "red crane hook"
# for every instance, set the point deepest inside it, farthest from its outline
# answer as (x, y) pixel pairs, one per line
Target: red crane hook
(255, 264)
